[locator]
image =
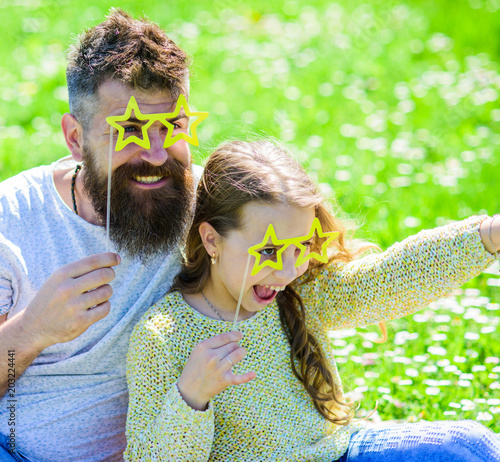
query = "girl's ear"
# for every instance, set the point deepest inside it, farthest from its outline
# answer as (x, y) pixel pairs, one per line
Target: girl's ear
(210, 238)
(73, 134)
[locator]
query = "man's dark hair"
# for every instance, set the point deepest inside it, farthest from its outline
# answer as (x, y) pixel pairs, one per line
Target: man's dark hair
(135, 52)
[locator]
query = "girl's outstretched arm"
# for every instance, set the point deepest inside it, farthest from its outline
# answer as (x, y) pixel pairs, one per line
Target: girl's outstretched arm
(490, 234)
(160, 425)
(401, 280)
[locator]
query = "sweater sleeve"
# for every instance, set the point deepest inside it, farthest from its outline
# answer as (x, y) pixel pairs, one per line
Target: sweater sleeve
(160, 425)
(399, 281)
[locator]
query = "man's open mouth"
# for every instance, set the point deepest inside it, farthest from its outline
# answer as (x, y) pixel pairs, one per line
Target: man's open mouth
(148, 179)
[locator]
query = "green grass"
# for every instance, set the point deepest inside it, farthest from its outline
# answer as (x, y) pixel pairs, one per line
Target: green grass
(441, 363)
(393, 106)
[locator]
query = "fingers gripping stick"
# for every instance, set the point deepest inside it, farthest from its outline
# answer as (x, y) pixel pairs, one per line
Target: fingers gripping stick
(208, 370)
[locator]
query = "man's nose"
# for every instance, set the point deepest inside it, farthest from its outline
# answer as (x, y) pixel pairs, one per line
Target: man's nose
(156, 154)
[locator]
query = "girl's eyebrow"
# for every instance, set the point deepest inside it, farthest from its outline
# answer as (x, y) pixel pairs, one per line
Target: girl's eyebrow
(300, 239)
(295, 239)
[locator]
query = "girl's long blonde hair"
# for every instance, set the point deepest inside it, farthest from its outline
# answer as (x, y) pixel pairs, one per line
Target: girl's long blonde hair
(240, 172)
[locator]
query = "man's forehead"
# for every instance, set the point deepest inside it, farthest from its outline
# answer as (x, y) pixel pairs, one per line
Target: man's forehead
(115, 97)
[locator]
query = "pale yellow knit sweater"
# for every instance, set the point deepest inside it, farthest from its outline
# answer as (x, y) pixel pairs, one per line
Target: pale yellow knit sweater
(272, 418)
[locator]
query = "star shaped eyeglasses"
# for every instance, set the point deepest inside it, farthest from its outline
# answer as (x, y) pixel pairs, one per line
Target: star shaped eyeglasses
(284, 243)
(133, 112)
(281, 245)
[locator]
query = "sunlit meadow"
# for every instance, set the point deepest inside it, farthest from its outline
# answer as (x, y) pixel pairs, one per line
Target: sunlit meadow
(392, 105)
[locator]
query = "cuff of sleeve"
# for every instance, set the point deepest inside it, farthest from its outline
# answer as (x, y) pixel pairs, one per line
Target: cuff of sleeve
(5, 309)
(470, 227)
(175, 403)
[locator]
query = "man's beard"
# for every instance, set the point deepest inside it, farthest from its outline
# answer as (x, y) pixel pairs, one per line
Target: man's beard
(143, 222)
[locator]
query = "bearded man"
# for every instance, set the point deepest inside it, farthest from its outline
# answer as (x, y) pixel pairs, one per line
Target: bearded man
(68, 307)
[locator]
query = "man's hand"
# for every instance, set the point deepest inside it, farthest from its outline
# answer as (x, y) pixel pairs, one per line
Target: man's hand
(72, 299)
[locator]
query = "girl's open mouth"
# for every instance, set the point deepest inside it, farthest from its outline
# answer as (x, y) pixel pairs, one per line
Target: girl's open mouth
(264, 294)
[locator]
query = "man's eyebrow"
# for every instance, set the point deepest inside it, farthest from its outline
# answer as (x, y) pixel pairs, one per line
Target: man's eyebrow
(133, 120)
(182, 115)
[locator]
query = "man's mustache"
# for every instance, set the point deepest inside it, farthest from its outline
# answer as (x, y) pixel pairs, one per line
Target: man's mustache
(171, 168)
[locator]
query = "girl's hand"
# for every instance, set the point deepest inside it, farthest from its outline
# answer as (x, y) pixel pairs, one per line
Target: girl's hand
(208, 369)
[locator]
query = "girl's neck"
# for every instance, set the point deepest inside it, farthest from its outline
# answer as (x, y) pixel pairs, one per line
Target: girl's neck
(211, 303)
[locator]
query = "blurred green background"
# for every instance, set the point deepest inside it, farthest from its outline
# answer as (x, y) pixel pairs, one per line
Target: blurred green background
(392, 105)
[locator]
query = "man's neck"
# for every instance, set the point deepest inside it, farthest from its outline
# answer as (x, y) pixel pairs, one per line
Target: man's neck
(62, 181)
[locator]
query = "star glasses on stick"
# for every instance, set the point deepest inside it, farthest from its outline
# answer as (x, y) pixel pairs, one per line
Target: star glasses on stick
(165, 118)
(281, 245)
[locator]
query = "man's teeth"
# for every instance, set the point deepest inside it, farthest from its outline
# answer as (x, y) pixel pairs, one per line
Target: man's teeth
(276, 288)
(147, 179)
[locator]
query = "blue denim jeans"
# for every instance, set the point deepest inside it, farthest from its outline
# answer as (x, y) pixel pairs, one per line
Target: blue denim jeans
(443, 441)
(446, 441)
(6, 454)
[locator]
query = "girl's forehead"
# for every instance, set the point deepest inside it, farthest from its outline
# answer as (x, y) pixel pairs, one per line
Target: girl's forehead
(288, 221)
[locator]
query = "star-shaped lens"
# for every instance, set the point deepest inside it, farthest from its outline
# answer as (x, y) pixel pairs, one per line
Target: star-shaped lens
(121, 142)
(254, 250)
(323, 256)
(200, 116)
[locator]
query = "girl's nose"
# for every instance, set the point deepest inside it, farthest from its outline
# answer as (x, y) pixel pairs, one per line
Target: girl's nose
(289, 272)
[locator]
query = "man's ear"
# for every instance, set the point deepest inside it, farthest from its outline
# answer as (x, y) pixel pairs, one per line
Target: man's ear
(73, 134)
(210, 238)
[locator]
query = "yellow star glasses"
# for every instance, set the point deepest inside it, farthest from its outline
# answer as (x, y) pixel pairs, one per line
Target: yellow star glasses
(284, 243)
(133, 107)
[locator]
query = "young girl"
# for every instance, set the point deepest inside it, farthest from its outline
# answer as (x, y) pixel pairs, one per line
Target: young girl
(270, 390)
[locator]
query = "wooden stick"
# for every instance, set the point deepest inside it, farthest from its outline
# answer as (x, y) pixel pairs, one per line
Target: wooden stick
(108, 204)
(241, 293)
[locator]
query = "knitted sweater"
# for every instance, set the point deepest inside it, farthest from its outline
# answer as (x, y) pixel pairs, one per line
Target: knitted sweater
(272, 418)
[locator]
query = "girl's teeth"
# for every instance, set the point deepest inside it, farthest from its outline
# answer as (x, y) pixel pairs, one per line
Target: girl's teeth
(275, 288)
